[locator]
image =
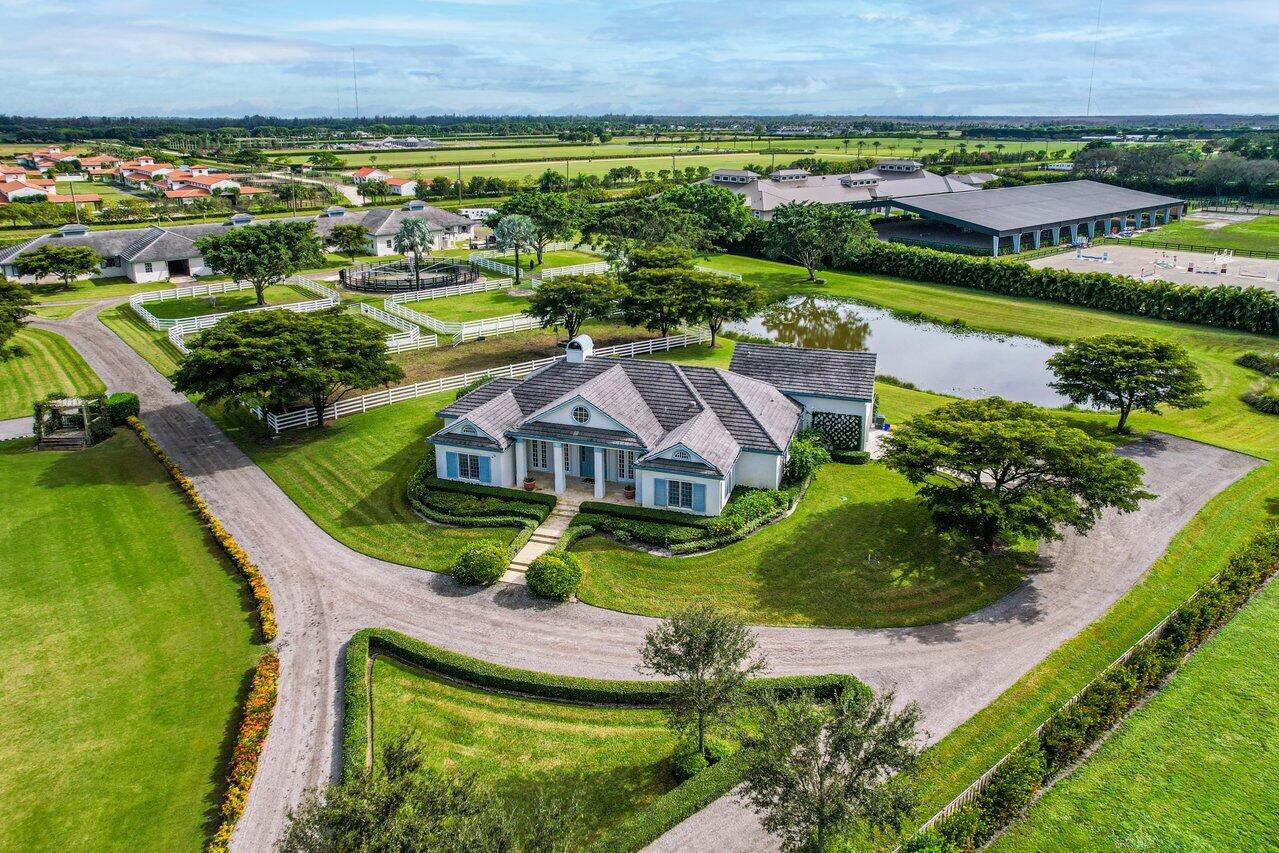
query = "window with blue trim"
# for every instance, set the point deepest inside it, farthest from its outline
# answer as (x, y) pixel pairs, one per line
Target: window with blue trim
(679, 493)
(468, 466)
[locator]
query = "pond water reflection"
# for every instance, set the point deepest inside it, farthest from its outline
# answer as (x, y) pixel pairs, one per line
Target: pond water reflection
(935, 357)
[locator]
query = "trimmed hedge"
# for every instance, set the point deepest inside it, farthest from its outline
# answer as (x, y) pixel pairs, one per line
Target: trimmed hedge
(850, 457)
(255, 722)
(555, 575)
(481, 564)
(1072, 730)
(641, 828)
(640, 513)
(121, 406)
(1250, 309)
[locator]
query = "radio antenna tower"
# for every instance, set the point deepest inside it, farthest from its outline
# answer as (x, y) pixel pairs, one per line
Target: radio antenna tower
(1092, 74)
(355, 84)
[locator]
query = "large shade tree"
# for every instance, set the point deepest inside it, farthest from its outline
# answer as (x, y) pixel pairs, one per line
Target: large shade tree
(65, 263)
(263, 255)
(1128, 373)
(816, 767)
(710, 655)
(274, 359)
(991, 469)
(14, 299)
(625, 226)
(350, 238)
(724, 215)
(571, 300)
(555, 216)
(660, 288)
(811, 234)
(716, 299)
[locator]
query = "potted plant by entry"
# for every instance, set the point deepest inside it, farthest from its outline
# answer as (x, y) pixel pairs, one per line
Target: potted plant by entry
(629, 491)
(529, 483)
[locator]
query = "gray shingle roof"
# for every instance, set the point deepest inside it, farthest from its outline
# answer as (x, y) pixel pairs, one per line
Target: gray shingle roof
(829, 372)
(1009, 209)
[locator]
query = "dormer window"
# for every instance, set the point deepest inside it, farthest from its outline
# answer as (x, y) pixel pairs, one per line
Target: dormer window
(581, 414)
(681, 455)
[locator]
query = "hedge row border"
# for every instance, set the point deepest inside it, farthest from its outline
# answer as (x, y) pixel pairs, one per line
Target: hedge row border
(1180, 633)
(238, 556)
(255, 723)
(641, 828)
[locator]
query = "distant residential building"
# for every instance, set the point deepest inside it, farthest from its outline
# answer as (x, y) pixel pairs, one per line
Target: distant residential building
(366, 174)
(870, 189)
(201, 182)
(1060, 167)
(27, 190)
(477, 214)
(402, 186)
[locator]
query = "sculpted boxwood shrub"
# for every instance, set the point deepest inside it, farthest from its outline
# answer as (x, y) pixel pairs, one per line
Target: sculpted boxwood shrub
(688, 763)
(121, 406)
(481, 564)
(555, 575)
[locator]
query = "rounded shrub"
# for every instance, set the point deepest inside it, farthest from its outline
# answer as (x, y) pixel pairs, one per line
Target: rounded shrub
(121, 406)
(480, 564)
(555, 575)
(688, 763)
(1264, 397)
(717, 749)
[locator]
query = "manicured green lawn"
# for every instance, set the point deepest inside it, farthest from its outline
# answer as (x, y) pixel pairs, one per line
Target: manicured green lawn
(857, 551)
(1195, 769)
(126, 640)
(1259, 234)
(611, 760)
(152, 345)
(351, 476)
(551, 260)
(90, 288)
(48, 364)
(236, 300)
(59, 311)
(471, 306)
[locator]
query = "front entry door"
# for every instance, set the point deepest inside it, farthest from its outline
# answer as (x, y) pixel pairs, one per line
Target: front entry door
(586, 461)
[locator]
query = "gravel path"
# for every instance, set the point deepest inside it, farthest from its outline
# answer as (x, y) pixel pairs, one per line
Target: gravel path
(17, 428)
(324, 591)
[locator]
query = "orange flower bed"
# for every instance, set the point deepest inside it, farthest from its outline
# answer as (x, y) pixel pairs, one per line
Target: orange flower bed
(261, 594)
(254, 725)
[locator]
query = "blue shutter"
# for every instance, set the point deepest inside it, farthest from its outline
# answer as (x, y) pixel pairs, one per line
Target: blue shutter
(699, 497)
(450, 464)
(486, 470)
(659, 493)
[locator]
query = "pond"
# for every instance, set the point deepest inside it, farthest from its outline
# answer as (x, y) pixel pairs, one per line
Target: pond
(936, 357)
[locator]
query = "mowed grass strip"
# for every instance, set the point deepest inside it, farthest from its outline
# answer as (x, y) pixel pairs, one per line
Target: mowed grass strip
(611, 761)
(236, 300)
(125, 643)
(152, 345)
(1260, 234)
(351, 476)
(858, 551)
(471, 306)
(551, 260)
(1195, 769)
(47, 365)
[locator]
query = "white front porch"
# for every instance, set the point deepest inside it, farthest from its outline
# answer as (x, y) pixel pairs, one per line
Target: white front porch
(580, 471)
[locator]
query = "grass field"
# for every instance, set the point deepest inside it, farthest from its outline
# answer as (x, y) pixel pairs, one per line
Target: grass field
(48, 364)
(551, 260)
(237, 300)
(488, 153)
(108, 192)
(58, 311)
(89, 288)
(127, 640)
(1260, 234)
(1195, 769)
(858, 551)
(351, 476)
(646, 163)
(471, 306)
(152, 345)
(612, 761)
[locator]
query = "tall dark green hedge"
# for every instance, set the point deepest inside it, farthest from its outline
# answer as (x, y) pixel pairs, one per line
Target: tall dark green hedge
(1247, 309)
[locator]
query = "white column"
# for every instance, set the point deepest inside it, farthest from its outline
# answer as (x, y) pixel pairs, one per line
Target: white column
(1039, 233)
(521, 462)
(599, 473)
(1016, 243)
(557, 465)
(994, 246)
(1167, 215)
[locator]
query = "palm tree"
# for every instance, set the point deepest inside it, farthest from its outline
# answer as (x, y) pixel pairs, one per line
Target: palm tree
(875, 145)
(414, 237)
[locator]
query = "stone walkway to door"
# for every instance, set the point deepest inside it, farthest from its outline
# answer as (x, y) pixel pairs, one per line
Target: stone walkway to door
(544, 538)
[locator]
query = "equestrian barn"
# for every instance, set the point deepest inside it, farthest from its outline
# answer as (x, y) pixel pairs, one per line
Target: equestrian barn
(1013, 218)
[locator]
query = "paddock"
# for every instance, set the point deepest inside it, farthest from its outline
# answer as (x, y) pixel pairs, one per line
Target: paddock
(1149, 263)
(398, 277)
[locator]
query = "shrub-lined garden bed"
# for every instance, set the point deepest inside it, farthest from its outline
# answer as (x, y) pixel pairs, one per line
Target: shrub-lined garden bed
(254, 725)
(637, 830)
(1074, 729)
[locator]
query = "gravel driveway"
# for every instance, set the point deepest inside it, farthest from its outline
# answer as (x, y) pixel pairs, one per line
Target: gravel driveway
(324, 591)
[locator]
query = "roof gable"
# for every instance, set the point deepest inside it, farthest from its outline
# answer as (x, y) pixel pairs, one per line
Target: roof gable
(848, 374)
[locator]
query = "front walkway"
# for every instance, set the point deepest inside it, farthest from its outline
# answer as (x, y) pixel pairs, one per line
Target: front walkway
(567, 503)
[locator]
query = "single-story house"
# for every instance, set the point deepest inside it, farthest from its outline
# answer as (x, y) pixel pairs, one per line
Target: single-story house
(156, 253)
(366, 174)
(41, 189)
(684, 436)
(200, 182)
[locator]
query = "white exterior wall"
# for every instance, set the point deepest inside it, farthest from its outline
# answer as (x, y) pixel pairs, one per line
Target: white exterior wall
(758, 470)
(138, 271)
(716, 491)
(837, 406)
(502, 464)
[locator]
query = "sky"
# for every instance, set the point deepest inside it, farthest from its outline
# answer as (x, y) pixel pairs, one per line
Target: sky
(684, 57)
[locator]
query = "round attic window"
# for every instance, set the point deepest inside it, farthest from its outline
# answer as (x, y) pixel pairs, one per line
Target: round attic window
(468, 429)
(681, 455)
(581, 414)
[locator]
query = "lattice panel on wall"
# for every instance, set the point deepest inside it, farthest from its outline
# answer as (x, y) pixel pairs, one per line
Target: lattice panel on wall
(844, 432)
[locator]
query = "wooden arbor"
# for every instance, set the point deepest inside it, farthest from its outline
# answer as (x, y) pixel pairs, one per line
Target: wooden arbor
(68, 423)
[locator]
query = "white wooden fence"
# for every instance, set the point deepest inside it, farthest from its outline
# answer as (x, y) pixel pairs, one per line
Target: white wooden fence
(452, 290)
(731, 275)
(576, 269)
(409, 336)
(478, 259)
(355, 405)
(177, 330)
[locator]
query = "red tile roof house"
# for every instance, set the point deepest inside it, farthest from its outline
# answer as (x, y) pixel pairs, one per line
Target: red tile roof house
(46, 158)
(141, 174)
(370, 173)
(41, 190)
(198, 182)
(99, 164)
(402, 186)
